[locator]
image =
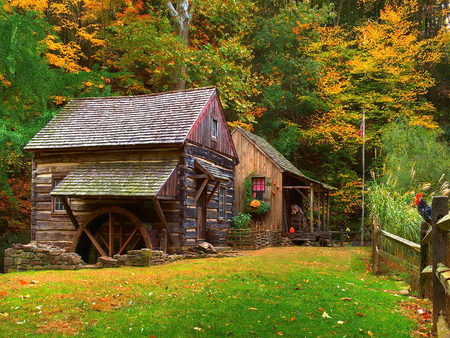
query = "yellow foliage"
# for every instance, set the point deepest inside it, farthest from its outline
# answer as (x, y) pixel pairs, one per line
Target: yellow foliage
(64, 55)
(29, 5)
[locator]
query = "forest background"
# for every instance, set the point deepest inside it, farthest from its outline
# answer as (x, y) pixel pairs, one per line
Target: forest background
(299, 73)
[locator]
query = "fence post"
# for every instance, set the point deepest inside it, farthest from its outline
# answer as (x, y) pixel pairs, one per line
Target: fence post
(439, 207)
(376, 243)
(424, 249)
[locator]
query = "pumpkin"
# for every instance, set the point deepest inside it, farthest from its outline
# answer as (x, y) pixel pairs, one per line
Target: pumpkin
(255, 204)
(291, 230)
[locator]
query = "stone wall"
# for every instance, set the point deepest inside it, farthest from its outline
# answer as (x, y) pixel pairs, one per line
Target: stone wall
(33, 256)
(143, 257)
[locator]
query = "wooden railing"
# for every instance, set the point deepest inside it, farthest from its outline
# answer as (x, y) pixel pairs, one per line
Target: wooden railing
(434, 264)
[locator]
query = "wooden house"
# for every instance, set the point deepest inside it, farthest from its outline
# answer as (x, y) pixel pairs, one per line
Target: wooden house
(296, 201)
(117, 173)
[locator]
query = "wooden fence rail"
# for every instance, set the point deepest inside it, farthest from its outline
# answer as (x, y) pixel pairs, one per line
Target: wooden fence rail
(434, 261)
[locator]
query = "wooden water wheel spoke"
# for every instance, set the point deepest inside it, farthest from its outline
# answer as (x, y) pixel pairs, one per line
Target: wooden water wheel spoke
(128, 241)
(136, 242)
(102, 238)
(111, 233)
(116, 230)
(94, 241)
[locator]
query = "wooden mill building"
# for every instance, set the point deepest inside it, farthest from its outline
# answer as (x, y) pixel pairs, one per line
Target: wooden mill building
(294, 199)
(116, 173)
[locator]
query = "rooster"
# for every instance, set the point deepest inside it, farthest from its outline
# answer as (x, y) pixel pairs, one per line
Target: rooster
(423, 208)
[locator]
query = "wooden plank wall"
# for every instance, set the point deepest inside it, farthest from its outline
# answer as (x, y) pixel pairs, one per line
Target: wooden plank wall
(226, 166)
(47, 227)
(201, 130)
(253, 160)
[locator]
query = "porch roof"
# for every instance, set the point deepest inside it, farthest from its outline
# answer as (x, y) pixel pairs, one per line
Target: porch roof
(211, 170)
(136, 179)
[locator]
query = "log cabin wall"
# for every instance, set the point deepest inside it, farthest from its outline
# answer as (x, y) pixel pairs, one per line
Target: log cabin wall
(256, 163)
(57, 229)
(225, 164)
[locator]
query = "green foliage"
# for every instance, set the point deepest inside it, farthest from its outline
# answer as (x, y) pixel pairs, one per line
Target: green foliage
(241, 221)
(289, 73)
(415, 158)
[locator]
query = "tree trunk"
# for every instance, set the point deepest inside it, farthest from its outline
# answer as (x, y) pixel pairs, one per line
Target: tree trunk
(181, 16)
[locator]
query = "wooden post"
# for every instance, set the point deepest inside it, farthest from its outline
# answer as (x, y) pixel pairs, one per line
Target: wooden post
(423, 259)
(376, 244)
(164, 240)
(439, 207)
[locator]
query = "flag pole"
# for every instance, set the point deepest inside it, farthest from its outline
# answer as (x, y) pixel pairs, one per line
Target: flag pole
(363, 132)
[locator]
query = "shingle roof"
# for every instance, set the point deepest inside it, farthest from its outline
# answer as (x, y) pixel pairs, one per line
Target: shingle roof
(277, 157)
(211, 170)
(116, 179)
(163, 118)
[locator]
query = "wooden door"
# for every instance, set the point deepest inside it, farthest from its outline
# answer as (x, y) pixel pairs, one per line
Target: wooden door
(201, 216)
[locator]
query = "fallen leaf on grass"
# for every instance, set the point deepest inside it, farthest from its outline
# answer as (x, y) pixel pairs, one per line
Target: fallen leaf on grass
(2, 293)
(198, 329)
(253, 309)
(340, 322)
(22, 282)
(369, 333)
(6, 314)
(24, 297)
(280, 333)
(293, 318)
(346, 299)
(360, 314)
(326, 315)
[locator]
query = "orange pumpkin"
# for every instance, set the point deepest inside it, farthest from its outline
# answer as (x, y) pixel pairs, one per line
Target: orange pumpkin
(291, 230)
(255, 204)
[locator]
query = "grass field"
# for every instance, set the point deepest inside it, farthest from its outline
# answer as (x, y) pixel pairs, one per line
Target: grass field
(290, 292)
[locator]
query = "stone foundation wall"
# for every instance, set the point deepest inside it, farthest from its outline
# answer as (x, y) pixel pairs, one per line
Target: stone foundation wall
(143, 257)
(33, 256)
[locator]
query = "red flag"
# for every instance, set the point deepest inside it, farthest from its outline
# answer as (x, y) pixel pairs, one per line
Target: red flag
(362, 128)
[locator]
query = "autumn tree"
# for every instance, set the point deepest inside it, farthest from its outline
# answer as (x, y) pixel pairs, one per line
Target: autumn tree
(31, 88)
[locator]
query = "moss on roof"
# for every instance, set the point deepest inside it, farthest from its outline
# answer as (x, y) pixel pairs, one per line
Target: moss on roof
(142, 179)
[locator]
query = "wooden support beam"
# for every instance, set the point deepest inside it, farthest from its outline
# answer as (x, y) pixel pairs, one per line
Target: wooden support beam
(297, 187)
(161, 216)
(200, 190)
(69, 211)
(211, 195)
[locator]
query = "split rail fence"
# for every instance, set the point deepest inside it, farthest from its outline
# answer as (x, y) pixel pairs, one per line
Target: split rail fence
(433, 263)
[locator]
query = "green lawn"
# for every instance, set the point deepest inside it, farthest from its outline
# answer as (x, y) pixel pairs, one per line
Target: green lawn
(290, 292)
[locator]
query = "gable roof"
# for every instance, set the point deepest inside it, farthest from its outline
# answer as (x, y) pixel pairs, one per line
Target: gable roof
(163, 118)
(143, 179)
(278, 158)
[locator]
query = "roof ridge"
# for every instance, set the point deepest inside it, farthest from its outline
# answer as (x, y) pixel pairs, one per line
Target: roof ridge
(143, 95)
